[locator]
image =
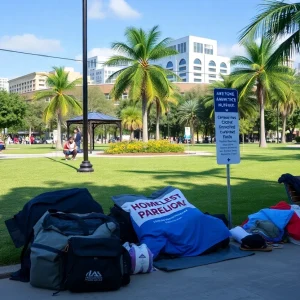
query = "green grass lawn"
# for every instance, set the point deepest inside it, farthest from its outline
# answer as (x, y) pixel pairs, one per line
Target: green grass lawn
(203, 182)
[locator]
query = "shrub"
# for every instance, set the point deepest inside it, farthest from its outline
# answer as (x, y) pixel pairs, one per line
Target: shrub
(297, 138)
(162, 146)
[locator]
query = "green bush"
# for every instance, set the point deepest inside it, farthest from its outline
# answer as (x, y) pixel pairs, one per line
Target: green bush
(162, 146)
(297, 138)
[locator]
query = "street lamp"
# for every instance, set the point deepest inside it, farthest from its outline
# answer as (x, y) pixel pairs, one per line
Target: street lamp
(85, 166)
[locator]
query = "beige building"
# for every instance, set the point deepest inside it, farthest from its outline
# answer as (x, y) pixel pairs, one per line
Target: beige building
(28, 83)
(36, 81)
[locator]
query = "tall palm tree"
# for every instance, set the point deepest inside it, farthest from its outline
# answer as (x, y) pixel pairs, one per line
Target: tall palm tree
(287, 106)
(61, 102)
(246, 105)
(187, 113)
(252, 73)
(163, 105)
(131, 119)
(281, 20)
(142, 78)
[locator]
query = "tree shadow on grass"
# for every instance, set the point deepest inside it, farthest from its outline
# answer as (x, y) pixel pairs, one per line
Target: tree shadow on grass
(270, 158)
(248, 196)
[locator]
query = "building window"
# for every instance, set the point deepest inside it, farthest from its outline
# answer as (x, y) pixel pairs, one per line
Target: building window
(107, 96)
(197, 68)
(181, 48)
(197, 80)
(182, 62)
(223, 65)
(197, 74)
(198, 48)
(182, 74)
(212, 70)
(169, 65)
(223, 71)
(208, 49)
(125, 96)
(182, 68)
(197, 61)
(212, 75)
(211, 81)
(173, 47)
(212, 63)
(184, 80)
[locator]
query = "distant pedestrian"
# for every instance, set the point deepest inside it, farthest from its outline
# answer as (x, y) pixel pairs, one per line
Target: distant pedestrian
(77, 139)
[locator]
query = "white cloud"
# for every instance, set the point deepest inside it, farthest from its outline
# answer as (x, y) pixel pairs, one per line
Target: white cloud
(232, 50)
(95, 10)
(29, 42)
(103, 53)
(123, 10)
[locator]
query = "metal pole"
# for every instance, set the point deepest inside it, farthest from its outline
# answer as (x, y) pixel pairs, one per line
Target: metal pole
(228, 197)
(85, 166)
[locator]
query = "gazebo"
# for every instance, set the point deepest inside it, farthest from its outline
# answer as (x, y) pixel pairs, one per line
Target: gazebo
(95, 119)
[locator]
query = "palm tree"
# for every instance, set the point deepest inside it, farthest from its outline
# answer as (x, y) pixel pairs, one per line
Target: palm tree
(60, 103)
(143, 79)
(163, 105)
(131, 119)
(187, 113)
(247, 105)
(278, 20)
(287, 106)
(251, 74)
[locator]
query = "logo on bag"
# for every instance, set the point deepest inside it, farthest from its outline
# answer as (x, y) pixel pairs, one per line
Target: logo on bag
(142, 256)
(93, 276)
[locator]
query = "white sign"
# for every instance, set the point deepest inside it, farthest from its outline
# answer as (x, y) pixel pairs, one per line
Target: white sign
(227, 126)
(187, 132)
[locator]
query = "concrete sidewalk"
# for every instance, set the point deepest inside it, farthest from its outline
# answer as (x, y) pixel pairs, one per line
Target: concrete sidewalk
(59, 154)
(264, 276)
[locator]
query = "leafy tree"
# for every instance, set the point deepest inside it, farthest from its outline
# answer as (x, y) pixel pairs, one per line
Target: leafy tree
(277, 19)
(12, 110)
(96, 101)
(188, 115)
(246, 126)
(61, 102)
(34, 115)
(131, 119)
(143, 79)
(251, 73)
(293, 121)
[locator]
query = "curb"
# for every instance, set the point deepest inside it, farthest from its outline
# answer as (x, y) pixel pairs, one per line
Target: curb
(7, 270)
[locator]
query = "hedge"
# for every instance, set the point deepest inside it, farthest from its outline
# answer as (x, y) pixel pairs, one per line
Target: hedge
(162, 146)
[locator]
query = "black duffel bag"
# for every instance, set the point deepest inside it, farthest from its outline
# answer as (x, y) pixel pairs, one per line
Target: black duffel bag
(94, 265)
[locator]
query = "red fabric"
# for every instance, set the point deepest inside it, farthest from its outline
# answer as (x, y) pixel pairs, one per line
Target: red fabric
(293, 227)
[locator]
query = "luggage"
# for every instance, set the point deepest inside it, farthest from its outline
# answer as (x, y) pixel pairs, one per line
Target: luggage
(127, 233)
(51, 235)
(96, 264)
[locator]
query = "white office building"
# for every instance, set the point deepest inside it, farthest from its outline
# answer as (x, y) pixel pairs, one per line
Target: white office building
(4, 84)
(197, 60)
(99, 73)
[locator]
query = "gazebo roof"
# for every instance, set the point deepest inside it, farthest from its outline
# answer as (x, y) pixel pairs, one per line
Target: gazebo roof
(95, 117)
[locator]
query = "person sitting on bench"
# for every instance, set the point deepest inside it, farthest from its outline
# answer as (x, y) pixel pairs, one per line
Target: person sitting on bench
(70, 148)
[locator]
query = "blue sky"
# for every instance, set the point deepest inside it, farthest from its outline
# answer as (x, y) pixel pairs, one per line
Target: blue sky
(54, 27)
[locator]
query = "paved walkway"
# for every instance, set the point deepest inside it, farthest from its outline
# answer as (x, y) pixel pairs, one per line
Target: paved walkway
(264, 276)
(58, 154)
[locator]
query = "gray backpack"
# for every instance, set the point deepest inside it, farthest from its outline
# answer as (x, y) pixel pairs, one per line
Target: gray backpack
(51, 235)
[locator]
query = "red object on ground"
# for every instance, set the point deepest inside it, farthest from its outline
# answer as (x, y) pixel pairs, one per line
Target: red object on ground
(293, 227)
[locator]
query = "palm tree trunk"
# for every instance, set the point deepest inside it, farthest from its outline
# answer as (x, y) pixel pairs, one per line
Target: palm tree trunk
(131, 133)
(157, 121)
(58, 142)
(283, 139)
(145, 117)
(260, 98)
(192, 133)
(29, 135)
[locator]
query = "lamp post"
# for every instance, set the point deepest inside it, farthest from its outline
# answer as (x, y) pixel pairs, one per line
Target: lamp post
(85, 166)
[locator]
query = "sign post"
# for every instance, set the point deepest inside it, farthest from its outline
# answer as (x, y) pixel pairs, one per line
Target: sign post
(227, 134)
(187, 136)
